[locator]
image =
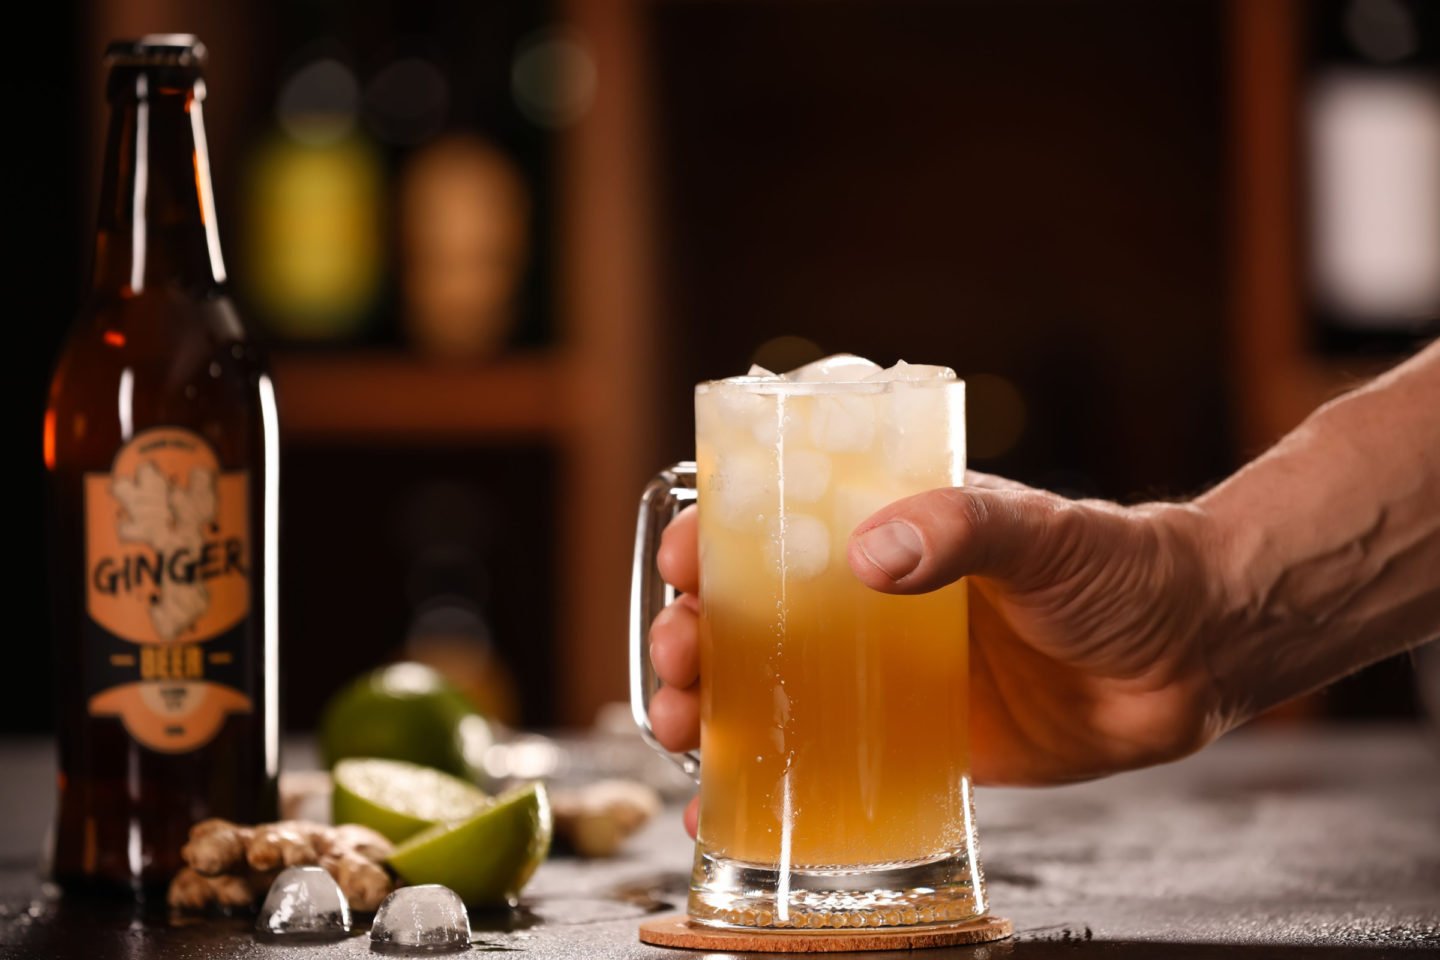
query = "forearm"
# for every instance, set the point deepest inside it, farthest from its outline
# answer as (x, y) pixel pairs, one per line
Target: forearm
(1328, 546)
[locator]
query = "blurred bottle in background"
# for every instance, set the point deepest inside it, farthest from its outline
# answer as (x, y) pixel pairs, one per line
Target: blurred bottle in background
(442, 526)
(451, 635)
(1372, 102)
(464, 242)
(161, 451)
(315, 252)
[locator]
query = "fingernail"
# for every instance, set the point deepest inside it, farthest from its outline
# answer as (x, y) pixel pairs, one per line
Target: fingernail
(894, 547)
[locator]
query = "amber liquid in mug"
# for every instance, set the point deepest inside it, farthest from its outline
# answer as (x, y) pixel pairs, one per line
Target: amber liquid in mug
(834, 719)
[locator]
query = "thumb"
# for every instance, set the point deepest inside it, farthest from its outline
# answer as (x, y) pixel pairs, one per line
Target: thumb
(923, 542)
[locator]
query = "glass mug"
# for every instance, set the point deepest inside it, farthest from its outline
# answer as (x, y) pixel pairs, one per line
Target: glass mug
(834, 719)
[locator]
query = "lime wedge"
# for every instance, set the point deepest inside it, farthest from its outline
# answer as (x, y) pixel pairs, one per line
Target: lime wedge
(488, 858)
(400, 799)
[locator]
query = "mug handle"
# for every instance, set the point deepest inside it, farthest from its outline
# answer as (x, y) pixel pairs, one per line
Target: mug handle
(669, 492)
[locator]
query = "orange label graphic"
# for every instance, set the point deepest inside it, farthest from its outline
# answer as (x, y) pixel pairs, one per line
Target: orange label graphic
(168, 571)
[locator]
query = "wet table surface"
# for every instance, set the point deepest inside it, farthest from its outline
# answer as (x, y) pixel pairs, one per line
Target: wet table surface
(1324, 844)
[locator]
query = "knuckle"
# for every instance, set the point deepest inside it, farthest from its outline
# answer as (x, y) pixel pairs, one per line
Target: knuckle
(658, 641)
(962, 506)
(951, 519)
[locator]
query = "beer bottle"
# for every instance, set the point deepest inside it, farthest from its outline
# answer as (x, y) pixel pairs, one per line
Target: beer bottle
(160, 445)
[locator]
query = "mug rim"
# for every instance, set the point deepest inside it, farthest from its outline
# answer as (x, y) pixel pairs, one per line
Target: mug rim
(768, 385)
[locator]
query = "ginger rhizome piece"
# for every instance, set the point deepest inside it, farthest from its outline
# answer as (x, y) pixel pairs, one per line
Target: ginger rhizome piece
(193, 890)
(230, 865)
(215, 845)
(597, 818)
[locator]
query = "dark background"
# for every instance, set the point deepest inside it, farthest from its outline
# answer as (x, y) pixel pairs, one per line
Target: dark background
(1037, 193)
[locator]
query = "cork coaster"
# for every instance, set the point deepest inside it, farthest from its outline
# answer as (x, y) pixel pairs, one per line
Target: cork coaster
(678, 931)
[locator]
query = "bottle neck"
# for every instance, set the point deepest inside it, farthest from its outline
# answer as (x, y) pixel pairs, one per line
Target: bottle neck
(157, 209)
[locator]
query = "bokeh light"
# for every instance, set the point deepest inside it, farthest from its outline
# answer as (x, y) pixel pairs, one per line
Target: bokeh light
(314, 239)
(1374, 184)
(786, 353)
(317, 105)
(407, 102)
(995, 415)
(465, 238)
(1383, 30)
(553, 78)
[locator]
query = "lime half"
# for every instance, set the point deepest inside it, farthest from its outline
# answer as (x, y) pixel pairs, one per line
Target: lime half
(488, 858)
(400, 799)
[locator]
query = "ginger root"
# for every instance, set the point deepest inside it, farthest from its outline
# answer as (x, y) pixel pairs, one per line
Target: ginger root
(215, 845)
(596, 819)
(364, 881)
(193, 890)
(288, 843)
(231, 865)
(362, 840)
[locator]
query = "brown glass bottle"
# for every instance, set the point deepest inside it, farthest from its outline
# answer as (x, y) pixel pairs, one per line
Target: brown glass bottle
(160, 442)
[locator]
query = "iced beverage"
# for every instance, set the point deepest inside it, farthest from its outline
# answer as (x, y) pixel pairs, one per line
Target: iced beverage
(834, 734)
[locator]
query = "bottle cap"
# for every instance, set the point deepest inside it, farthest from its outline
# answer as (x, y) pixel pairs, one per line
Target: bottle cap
(178, 49)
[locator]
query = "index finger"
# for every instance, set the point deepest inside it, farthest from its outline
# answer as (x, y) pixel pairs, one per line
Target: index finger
(678, 557)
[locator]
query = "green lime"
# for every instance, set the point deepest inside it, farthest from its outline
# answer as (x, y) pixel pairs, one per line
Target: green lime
(405, 711)
(488, 858)
(399, 799)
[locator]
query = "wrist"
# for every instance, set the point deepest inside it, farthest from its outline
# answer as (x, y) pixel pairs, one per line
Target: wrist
(1216, 577)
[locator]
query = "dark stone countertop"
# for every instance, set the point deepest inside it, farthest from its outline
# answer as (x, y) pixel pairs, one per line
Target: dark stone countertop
(1321, 843)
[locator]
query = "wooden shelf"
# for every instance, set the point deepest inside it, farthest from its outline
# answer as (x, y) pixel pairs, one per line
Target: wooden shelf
(1278, 380)
(393, 397)
(594, 401)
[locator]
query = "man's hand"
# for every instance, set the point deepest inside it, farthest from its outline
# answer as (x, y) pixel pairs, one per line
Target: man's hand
(1086, 622)
(1105, 637)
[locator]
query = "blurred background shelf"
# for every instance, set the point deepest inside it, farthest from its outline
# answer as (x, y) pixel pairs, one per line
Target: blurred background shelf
(394, 398)
(1099, 211)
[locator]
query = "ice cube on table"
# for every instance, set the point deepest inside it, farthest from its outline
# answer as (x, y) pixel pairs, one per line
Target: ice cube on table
(304, 903)
(428, 918)
(843, 423)
(804, 474)
(837, 367)
(912, 373)
(800, 547)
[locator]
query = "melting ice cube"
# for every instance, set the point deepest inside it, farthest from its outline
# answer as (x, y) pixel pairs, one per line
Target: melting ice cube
(800, 548)
(923, 434)
(843, 423)
(853, 505)
(912, 372)
(424, 919)
(742, 489)
(780, 419)
(304, 903)
(727, 406)
(837, 367)
(805, 474)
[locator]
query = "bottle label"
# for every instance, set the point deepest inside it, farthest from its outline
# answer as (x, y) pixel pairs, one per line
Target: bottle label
(167, 559)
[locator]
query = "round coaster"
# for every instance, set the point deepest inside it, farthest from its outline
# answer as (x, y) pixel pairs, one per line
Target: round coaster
(678, 931)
